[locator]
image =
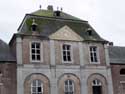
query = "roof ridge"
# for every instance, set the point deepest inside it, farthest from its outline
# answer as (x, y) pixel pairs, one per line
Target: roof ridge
(50, 13)
(117, 46)
(58, 18)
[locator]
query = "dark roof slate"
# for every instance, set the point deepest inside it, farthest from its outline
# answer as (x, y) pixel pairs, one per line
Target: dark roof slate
(117, 54)
(5, 53)
(50, 13)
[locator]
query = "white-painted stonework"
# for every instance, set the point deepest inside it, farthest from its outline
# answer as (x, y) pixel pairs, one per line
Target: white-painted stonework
(66, 33)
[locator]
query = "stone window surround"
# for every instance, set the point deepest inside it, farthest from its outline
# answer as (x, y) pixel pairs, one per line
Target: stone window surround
(71, 52)
(41, 52)
(36, 76)
(69, 76)
(102, 79)
(97, 52)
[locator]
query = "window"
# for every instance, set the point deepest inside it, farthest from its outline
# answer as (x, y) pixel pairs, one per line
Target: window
(122, 88)
(89, 31)
(36, 87)
(34, 26)
(93, 54)
(96, 87)
(69, 87)
(35, 51)
(122, 72)
(57, 13)
(66, 53)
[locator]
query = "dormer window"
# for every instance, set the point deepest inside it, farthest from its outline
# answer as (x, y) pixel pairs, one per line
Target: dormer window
(57, 13)
(89, 31)
(34, 26)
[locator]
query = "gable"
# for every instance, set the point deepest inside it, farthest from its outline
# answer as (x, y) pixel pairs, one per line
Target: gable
(66, 33)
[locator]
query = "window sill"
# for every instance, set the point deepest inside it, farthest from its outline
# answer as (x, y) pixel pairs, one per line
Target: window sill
(67, 62)
(35, 61)
(94, 63)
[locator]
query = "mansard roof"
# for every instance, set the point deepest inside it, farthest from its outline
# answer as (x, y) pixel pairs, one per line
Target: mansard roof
(117, 55)
(5, 53)
(50, 13)
(48, 24)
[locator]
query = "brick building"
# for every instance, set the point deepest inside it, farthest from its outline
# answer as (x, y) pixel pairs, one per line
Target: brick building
(56, 53)
(117, 61)
(7, 70)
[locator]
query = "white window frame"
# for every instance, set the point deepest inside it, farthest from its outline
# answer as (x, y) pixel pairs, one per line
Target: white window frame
(36, 87)
(97, 54)
(41, 52)
(97, 83)
(69, 86)
(71, 53)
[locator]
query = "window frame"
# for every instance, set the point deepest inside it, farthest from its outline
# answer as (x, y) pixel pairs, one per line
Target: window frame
(36, 87)
(97, 54)
(122, 74)
(98, 84)
(68, 86)
(41, 52)
(71, 53)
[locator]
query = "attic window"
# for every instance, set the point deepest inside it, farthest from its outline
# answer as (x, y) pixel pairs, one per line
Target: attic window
(122, 72)
(57, 13)
(34, 26)
(89, 31)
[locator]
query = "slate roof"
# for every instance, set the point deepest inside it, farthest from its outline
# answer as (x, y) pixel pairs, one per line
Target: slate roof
(50, 13)
(5, 53)
(117, 55)
(48, 24)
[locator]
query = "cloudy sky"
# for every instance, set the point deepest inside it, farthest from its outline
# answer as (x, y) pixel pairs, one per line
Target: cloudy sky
(107, 17)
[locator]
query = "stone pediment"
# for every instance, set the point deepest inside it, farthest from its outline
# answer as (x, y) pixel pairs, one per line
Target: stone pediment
(66, 33)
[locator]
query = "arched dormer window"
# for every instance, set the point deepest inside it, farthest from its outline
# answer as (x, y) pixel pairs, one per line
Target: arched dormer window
(89, 31)
(36, 87)
(69, 87)
(96, 87)
(34, 26)
(122, 72)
